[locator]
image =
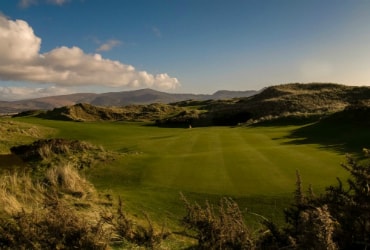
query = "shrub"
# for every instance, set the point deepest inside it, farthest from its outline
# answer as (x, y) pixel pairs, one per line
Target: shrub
(339, 218)
(224, 229)
(350, 206)
(126, 230)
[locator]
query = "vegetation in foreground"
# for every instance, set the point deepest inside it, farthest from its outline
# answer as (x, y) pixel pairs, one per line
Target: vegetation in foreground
(63, 211)
(337, 219)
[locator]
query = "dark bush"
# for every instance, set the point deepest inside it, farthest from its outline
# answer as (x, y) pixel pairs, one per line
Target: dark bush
(221, 229)
(338, 219)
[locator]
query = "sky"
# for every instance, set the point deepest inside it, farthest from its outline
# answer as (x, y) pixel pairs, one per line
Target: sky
(54, 47)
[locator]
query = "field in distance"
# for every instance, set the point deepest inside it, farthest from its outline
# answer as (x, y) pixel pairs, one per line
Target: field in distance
(254, 165)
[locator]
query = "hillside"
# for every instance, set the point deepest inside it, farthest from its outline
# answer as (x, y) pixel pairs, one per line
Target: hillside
(287, 100)
(88, 112)
(143, 96)
(303, 101)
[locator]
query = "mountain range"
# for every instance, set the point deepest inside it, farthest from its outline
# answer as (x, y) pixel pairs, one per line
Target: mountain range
(142, 96)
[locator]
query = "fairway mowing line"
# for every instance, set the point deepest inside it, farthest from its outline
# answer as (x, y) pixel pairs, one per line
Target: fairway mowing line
(166, 166)
(258, 172)
(204, 173)
(216, 174)
(235, 164)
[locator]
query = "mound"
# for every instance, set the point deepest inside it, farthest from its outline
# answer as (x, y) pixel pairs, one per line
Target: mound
(48, 152)
(354, 114)
(42, 149)
(87, 112)
(287, 100)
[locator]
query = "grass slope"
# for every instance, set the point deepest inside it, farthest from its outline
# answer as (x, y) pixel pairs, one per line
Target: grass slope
(255, 165)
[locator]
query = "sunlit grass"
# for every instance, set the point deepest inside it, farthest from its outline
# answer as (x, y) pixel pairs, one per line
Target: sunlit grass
(255, 165)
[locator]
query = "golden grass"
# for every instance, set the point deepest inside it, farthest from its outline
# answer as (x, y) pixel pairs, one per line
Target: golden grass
(68, 180)
(20, 192)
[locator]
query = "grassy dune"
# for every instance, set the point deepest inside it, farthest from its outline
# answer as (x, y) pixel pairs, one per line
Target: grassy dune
(255, 165)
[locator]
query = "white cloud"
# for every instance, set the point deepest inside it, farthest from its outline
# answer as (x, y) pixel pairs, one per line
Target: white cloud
(17, 93)
(110, 44)
(18, 43)
(63, 66)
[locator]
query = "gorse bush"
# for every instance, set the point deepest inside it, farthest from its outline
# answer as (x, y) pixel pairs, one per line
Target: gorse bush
(337, 219)
(126, 230)
(350, 206)
(223, 228)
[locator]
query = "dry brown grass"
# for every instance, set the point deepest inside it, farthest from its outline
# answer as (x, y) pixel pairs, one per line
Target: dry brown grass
(18, 192)
(47, 213)
(68, 180)
(62, 210)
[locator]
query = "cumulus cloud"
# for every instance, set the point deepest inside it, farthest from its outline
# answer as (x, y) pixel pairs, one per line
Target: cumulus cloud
(110, 44)
(21, 60)
(16, 93)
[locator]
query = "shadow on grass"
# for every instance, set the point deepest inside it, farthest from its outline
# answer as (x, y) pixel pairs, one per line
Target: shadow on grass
(343, 137)
(346, 131)
(10, 161)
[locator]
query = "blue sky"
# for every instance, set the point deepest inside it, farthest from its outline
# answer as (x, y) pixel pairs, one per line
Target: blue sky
(50, 47)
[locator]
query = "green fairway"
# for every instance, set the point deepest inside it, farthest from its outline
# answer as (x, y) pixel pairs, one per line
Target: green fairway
(231, 161)
(242, 162)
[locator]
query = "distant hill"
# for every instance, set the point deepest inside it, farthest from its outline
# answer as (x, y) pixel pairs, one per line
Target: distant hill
(288, 101)
(143, 96)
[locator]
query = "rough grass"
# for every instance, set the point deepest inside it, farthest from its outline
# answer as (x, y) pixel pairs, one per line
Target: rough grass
(42, 154)
(19, 191)
(64, 211)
